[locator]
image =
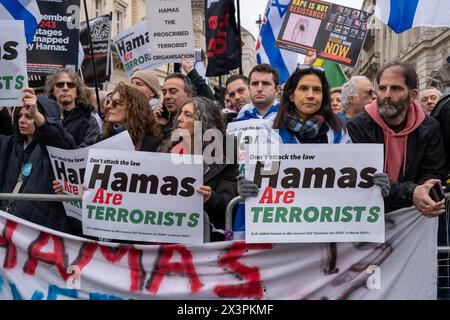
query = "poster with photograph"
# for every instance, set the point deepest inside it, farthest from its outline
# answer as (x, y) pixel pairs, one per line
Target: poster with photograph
(336, 32)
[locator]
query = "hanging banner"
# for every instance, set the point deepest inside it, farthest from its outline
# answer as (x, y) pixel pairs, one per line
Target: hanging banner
(222, 37)
(336, 32)
(170, 30)
(55, 44)
(100, 36)
(143, 196)
(69, 167)
(37, 263)
(133, 48)
(315, 193)
(13, 61)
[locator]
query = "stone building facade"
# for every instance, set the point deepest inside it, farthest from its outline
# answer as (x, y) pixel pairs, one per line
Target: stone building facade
(426, 48)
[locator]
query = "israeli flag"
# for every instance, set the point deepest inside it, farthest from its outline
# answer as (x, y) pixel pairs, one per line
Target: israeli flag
(26, 10)
(402, 15)
(283, 61)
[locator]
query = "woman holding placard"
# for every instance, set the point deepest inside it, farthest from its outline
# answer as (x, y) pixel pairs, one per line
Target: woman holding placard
(198, 121)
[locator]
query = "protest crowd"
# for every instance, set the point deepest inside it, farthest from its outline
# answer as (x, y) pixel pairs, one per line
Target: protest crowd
(412, 126)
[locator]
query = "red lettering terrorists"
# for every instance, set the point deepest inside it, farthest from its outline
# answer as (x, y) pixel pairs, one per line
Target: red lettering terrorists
(252, 288)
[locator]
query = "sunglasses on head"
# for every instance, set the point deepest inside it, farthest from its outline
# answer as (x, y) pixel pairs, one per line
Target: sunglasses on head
(61, 85)
(305, 67)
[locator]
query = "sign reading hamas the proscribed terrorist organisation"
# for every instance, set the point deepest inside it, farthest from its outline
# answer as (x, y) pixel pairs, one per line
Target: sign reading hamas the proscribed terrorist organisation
(316, 193)
(69, 167)
(133, 48)
(336, 32)
(13, 70)
(170, 29)
(143, 196)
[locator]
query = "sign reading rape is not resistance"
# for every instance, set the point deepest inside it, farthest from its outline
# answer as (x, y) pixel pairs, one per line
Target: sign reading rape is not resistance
(316, 193)
(13, 66)
(143, 196)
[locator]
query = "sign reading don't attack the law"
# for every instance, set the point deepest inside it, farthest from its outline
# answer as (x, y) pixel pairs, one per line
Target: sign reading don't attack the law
(143, 196)
(69, 167)
(316, 193)
(13, 63)
(170, 29)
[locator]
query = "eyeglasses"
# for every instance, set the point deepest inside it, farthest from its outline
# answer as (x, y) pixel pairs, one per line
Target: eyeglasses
(61, 85)
(305, 67)
(113, 103)
(370, 93)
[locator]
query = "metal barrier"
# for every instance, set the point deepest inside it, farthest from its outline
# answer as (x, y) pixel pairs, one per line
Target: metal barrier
(229, 217)
(443, 258)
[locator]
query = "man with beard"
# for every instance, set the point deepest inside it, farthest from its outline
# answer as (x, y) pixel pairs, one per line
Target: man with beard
(414, 158)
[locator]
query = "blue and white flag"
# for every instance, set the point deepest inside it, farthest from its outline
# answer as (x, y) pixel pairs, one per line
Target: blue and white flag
(283, 61)
(402, 15)
(26, 10)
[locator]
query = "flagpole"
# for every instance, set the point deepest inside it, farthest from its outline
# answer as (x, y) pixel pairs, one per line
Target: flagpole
(91, 51)
(238, 7)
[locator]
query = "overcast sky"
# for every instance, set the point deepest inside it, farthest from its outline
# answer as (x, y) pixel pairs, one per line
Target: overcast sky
(251, 9)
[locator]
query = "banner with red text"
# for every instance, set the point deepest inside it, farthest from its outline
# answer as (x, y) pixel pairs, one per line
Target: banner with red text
(40, 264)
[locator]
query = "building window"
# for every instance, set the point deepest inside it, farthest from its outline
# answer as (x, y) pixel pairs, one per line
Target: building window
(119, 21)
(98, 7)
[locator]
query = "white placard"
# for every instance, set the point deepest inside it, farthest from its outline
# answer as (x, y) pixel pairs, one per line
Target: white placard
(69, 167)
(133, 47)
(170, 29)
(13, 63)
(316, 193)
(143, 196)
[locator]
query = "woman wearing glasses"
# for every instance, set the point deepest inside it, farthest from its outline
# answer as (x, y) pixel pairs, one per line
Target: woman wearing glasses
(25, 166)
(219, 177)
(127, 109)
(305, 114)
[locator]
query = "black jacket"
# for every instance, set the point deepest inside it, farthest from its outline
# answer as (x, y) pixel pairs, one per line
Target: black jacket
(150, 144)
(441, 112)
(201, 87)
(81, 124)
(6, 126)
(222, 180)
(425, 157)
(39, 179)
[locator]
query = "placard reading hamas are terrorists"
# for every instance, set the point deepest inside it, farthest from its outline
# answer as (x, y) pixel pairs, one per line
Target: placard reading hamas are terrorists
(335, 31)
(316, 193)
(170, 29)
(133, 47)
(69, 167)
(13, 71)
(143, 196)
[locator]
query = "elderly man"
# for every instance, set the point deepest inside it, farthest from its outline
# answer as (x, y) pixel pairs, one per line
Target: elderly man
(356, 93)
(428, 99)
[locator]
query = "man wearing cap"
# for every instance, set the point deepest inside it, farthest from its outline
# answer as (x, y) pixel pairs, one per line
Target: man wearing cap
(147, 82)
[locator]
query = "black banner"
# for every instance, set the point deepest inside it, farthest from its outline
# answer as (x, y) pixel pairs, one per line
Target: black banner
(55, 44)
(100, 36)
(222, 38)
(336, 32)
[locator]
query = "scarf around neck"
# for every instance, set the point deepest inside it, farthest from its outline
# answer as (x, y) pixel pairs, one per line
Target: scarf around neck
(308, 129)
(396, 142)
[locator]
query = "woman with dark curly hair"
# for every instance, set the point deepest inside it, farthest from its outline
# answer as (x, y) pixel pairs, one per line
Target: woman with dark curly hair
(127, 109)
(305, 114)
(220, 184)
